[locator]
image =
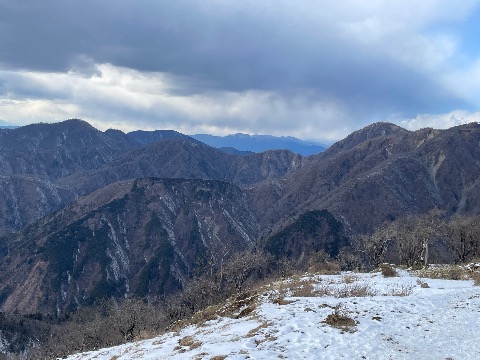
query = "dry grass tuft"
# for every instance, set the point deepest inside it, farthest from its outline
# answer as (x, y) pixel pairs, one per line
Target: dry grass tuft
(388, 271)
(189, 342)
(219, 357)
(476, 278)
(298, 287)
(186, 341)
(400, 290)
(281, 301)
(340, 318)
(254, 331)
(354, 290)
(446, 272)
(304, 289)
(349, 278)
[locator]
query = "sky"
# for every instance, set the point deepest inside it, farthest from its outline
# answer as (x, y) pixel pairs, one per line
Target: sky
(312, 69)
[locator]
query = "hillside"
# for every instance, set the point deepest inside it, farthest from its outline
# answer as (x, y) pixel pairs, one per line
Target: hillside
(44, 167)
(380, 173)
(138, 238)
(178, 225)
(183, 158)
(351, 316)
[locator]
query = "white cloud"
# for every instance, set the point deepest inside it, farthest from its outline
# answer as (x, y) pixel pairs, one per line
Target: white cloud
(126, 99)
(440, 121)
(304, 68)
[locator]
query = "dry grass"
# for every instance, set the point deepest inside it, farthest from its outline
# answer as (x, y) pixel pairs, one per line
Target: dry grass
(219, 357)
(349, 286)
(328, 268)
(340, 318)
(280, 300)
(201, 317)
(399, 290)
(189, 341)
(297, 287)
(388, 271)
(304, 289)
(354, 290)
(240, 306)
(446, 272)
(349, 278)
(254, 331)
(186, 341)
(476, 278)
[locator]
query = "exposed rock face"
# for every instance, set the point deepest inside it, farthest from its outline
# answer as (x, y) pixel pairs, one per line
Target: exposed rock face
(142, 237)
(25, 199)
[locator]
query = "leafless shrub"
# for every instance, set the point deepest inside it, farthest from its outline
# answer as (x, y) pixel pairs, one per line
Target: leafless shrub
(400, 290)
(321, 263)
(349, 259)
(388, 271)
(354, 290)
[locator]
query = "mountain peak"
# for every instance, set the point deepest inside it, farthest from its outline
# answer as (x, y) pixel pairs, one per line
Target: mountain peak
(371, 131)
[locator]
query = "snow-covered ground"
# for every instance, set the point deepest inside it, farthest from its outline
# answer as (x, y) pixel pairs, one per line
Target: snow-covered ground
(397, 319)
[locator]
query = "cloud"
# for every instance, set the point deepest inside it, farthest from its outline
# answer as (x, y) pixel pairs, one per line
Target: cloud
(128, 99)
(440, 121)
(304, 67)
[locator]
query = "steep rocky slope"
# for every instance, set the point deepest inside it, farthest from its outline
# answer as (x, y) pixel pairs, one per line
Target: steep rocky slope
(43, 167)
(182, 158)
(139, 238)
(380, 173)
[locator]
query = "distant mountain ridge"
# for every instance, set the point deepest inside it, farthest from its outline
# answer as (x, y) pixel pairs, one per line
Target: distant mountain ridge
(260, 143)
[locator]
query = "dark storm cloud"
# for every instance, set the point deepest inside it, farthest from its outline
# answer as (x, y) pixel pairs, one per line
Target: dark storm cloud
(223, 45)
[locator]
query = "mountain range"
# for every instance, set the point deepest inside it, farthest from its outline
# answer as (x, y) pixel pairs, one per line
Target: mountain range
(87, 214)
(260, 143)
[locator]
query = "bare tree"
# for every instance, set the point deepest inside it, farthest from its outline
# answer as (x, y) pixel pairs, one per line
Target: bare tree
(429, 225)
(375, 245)
(464, 237)
(413, 234)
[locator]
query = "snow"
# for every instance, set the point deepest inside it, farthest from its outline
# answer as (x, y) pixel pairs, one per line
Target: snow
(438, 322)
